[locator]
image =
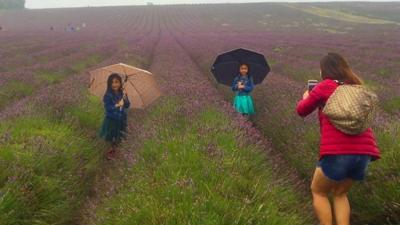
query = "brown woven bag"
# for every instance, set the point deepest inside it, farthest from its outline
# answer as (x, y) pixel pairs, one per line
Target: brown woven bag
(351, 108)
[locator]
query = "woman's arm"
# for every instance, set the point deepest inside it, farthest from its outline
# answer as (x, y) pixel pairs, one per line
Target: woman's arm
(310, 102)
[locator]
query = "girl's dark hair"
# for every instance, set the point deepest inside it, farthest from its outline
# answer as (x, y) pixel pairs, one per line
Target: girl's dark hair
(244, 64)
(335, 67)
(110, 80)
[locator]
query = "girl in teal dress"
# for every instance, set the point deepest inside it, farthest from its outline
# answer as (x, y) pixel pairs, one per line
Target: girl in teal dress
(116, 104)
(243, 85)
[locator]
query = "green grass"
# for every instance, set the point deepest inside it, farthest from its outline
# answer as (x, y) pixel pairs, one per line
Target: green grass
(272, 61)
(372, 85)
(50, 77)
(88, 61)
(392, 105)
(56, 76)
(385, 72)
(341, 15)
(14, 90)
(199, 171)
(47, 166)
(300, 74)
(135, 60)
(89, 113)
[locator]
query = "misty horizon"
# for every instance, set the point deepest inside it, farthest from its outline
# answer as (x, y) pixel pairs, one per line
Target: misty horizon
(41, 4)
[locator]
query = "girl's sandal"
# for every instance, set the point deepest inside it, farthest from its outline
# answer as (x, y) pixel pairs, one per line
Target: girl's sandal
(110, 153)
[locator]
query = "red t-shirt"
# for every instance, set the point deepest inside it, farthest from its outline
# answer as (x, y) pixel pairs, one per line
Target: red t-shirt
(333, 141)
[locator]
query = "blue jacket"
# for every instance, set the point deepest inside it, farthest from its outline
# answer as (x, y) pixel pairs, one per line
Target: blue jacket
(248, 83)
(110, 99)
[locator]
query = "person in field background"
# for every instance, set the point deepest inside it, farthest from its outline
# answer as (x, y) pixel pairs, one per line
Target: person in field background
(116, 104)
(243, 85)
(343, 158)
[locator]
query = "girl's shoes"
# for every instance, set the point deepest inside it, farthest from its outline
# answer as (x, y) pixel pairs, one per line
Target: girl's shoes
(111, 153)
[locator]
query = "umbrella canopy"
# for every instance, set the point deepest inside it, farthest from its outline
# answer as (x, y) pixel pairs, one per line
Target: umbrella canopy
(140, 85)
(226, 66)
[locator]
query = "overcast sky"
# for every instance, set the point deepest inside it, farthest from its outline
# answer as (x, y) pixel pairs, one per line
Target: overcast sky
(84, 3)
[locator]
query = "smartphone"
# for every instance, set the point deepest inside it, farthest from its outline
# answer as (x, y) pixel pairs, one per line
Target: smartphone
(311, 84)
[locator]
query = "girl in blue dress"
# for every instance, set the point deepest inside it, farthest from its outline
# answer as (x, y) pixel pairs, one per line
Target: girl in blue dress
(243, 85)
(116, 104)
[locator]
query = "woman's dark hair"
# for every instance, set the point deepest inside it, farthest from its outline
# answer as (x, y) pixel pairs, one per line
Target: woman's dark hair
(110, 80)
(335, 67)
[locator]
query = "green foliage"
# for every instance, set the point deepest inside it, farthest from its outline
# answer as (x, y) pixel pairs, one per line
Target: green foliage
(14, 90)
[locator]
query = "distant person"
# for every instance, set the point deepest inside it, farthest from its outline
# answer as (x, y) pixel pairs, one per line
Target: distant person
(242, 86)
(344, 157)
(116, 103)
(70, 28)
(1, 28)
(51, 28)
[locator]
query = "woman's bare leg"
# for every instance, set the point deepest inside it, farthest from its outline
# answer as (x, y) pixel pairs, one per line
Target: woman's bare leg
(320, 188)
(341, 202)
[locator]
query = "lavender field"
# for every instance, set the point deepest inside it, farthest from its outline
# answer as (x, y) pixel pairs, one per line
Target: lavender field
(189, 158)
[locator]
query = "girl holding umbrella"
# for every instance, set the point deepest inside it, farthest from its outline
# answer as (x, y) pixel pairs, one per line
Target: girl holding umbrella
(125, 80)
(116, 103)
(243, 85)
(252, 67)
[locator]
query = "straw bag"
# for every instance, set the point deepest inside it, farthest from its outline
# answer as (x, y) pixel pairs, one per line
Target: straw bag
(351, 108)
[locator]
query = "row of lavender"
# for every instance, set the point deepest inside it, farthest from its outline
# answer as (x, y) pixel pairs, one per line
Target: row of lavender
(180, 78)
(32, 60)
(48, 156)
(295, 58)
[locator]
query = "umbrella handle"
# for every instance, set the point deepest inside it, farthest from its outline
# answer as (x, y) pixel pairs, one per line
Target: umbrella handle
(123, 96)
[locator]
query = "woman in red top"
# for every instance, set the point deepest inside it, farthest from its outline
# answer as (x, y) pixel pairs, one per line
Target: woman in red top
(343, 158)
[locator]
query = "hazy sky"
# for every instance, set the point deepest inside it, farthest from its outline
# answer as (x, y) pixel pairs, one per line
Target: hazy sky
(84, 3)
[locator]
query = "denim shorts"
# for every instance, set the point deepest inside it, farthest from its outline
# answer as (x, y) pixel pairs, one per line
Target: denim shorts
(340, 167)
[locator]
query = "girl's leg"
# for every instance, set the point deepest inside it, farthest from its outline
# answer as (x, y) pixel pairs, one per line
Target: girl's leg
(320, 188)
(111, 151)
(341, 202)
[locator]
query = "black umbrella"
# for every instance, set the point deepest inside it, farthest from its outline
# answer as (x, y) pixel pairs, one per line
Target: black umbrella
(226, 66)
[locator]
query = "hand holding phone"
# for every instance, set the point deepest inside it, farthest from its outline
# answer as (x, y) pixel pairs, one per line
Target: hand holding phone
(311, 84)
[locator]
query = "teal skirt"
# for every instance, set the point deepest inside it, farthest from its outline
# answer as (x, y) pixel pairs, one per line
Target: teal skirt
(244, 104)
(113, 130)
